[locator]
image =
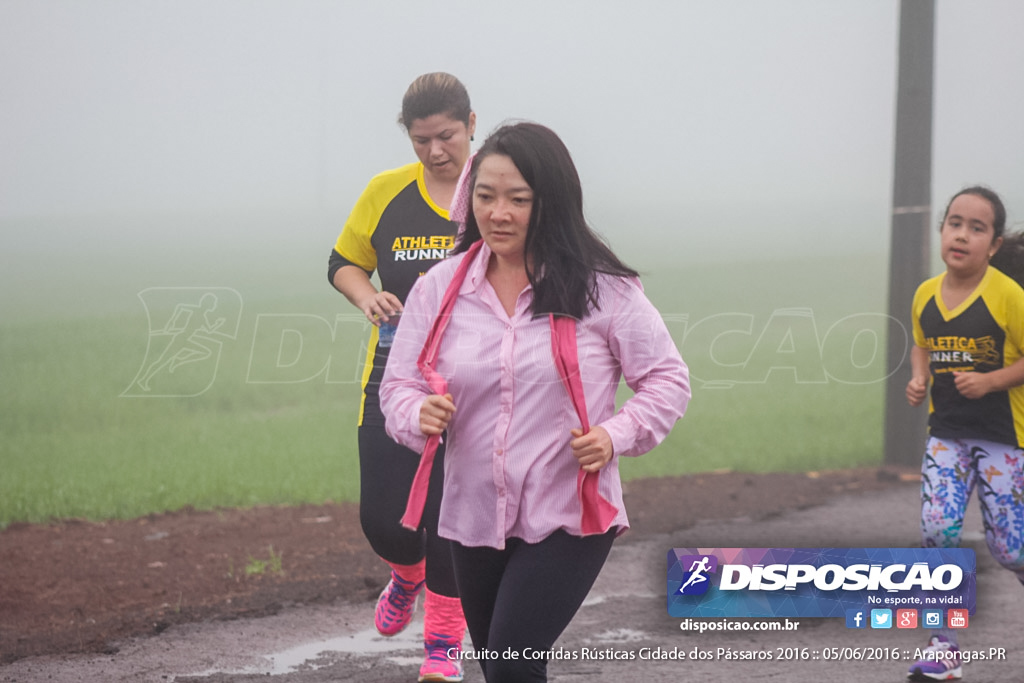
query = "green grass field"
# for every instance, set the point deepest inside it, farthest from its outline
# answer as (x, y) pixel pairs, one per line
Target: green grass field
(785, 378)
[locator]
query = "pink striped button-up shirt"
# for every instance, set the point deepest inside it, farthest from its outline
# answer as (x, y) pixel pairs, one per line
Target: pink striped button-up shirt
(509, 469)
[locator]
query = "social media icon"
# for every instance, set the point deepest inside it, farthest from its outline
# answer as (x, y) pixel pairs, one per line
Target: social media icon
(906, 618)
(932, 618)
(856, 618)
(881, 618)
(957, 618)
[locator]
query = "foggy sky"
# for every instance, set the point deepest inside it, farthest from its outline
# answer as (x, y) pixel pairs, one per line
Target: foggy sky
(772, 120)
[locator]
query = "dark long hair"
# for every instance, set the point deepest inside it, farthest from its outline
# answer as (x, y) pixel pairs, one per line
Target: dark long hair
(1010, 257)
(563, 254)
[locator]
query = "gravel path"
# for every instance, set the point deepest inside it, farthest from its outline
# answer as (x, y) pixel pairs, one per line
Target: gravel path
(624, 616)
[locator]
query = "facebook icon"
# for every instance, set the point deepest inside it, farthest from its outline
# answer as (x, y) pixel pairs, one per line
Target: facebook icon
(856, 618)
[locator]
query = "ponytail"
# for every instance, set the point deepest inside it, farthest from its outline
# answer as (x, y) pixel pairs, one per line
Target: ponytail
(1010, 257)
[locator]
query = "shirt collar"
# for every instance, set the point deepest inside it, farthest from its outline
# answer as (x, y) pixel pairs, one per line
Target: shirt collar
(477, 272)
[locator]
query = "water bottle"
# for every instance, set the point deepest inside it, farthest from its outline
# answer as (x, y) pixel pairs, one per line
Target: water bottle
(386, 331)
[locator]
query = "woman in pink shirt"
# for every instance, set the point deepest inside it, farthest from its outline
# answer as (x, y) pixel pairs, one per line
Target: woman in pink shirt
(532, 496)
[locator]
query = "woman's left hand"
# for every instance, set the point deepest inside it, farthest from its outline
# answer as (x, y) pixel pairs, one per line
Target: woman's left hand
(972, 385)
(435, 414)
(592, 450)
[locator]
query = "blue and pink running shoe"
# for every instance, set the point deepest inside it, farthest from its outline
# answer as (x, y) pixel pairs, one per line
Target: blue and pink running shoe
(395, 605)
(443, 662)
(940, 661)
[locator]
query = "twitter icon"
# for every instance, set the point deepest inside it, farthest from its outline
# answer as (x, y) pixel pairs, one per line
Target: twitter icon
(881, 618)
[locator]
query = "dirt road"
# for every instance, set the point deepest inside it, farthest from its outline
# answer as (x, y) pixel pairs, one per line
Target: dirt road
(624, 617)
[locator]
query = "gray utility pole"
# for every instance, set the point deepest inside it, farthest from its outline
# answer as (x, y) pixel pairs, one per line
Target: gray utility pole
(911, 222)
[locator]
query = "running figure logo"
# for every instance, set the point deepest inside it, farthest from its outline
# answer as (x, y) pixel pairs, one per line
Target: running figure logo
(187, 330)
(696, 580)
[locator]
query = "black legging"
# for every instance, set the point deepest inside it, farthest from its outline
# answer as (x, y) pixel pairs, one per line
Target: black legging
(386, 471)
(524, 596)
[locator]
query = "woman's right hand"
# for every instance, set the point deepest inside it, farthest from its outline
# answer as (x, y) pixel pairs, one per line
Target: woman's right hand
(379, 307)
(435, 414)
(917, 389)
(354, 283)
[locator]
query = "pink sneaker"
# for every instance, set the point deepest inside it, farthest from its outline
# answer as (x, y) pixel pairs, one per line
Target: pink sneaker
(442, 661)
(395, 605)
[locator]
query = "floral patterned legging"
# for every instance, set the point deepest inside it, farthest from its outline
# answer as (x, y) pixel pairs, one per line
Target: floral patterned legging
(951, 470)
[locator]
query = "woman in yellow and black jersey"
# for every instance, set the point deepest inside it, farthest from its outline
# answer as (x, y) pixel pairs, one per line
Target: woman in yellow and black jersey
(397, 230)
(969, 345)
(399, 227)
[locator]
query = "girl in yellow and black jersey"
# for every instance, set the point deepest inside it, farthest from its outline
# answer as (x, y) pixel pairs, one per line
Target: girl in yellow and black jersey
(969, 346)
